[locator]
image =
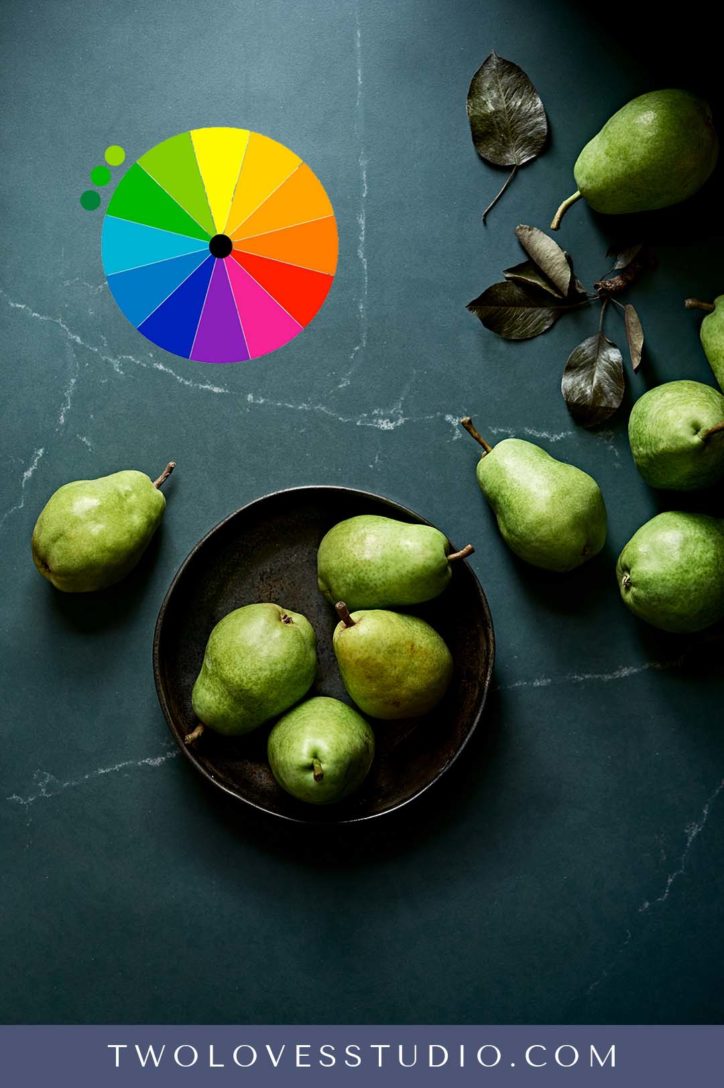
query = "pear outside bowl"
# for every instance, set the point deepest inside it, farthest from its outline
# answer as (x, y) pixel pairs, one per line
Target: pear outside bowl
(267, 551)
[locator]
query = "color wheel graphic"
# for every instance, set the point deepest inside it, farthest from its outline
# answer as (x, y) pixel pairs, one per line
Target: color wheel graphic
(219, 245)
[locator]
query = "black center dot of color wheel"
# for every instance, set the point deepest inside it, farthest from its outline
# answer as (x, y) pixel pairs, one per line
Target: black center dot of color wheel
(220, 245)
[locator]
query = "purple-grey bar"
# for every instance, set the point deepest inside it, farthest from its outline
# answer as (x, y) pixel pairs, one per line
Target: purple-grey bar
(294, 1057)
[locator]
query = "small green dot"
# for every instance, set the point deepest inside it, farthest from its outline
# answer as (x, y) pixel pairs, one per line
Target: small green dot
(100, 175)
(90, 200)
(114, 155)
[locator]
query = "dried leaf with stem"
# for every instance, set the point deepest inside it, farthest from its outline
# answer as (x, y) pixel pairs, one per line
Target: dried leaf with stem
(515, 312)
(593, 380)
(508, 121)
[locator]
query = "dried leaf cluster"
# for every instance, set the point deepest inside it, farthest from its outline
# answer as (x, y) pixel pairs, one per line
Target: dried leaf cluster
(542, 288)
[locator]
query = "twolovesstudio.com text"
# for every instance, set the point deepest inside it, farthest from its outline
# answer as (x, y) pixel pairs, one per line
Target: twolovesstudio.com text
(352, 1055)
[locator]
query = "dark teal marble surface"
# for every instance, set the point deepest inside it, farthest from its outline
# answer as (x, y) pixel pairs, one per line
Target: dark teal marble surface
(573, 868)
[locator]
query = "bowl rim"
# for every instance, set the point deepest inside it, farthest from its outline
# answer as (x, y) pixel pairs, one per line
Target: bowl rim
(228, 790)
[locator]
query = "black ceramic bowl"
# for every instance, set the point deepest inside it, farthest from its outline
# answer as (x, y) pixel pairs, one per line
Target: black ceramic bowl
(267, 551)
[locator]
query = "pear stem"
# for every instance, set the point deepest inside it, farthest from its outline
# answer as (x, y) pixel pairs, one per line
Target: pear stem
(556, 221)
(500, 192)
(697, 304)
(462, 554)
(343, 613)
(194, 734)
(467, 423)
(165, 474)
(317, 770)
(716, 429)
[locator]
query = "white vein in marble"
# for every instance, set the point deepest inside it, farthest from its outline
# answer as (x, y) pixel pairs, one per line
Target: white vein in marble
(621, 672)
(382, 419)
(362, 163)
(45, 785)
(94, 288)
(27, 475)
(68, 392)
(116, 361)
(692, 831)
(691, 834)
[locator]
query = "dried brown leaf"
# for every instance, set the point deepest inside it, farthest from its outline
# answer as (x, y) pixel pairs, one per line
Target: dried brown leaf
(634, 335)
(593, 380)
(515, 312)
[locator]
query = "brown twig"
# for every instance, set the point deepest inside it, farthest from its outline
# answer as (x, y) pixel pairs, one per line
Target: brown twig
(165, 474)
(614, 285)
(697, 304)
(462, 554)
(556, 222)
(500, 192)
(194, 734)
(343, 613)
(472, 430)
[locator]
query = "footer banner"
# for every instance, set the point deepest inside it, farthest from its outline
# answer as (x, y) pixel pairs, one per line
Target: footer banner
(376, 1056)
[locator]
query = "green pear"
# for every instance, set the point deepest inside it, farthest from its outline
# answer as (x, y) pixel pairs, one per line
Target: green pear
(376, 562)
(655, 151)
(671, 572)
(321, 750)
(549, 513)
(712, 339)
(392, 665)
(259, 661)
(676, 434)
(712, 333)
(91, 533)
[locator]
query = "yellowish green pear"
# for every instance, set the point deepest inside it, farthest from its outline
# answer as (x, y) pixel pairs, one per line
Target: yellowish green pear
(91, 533)
(260, 659)
(392, 665)
(676, 434)
(549, 513)
(671, 572)
(712, 333)
(376, 562)
(321, 751)
(655, 151)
